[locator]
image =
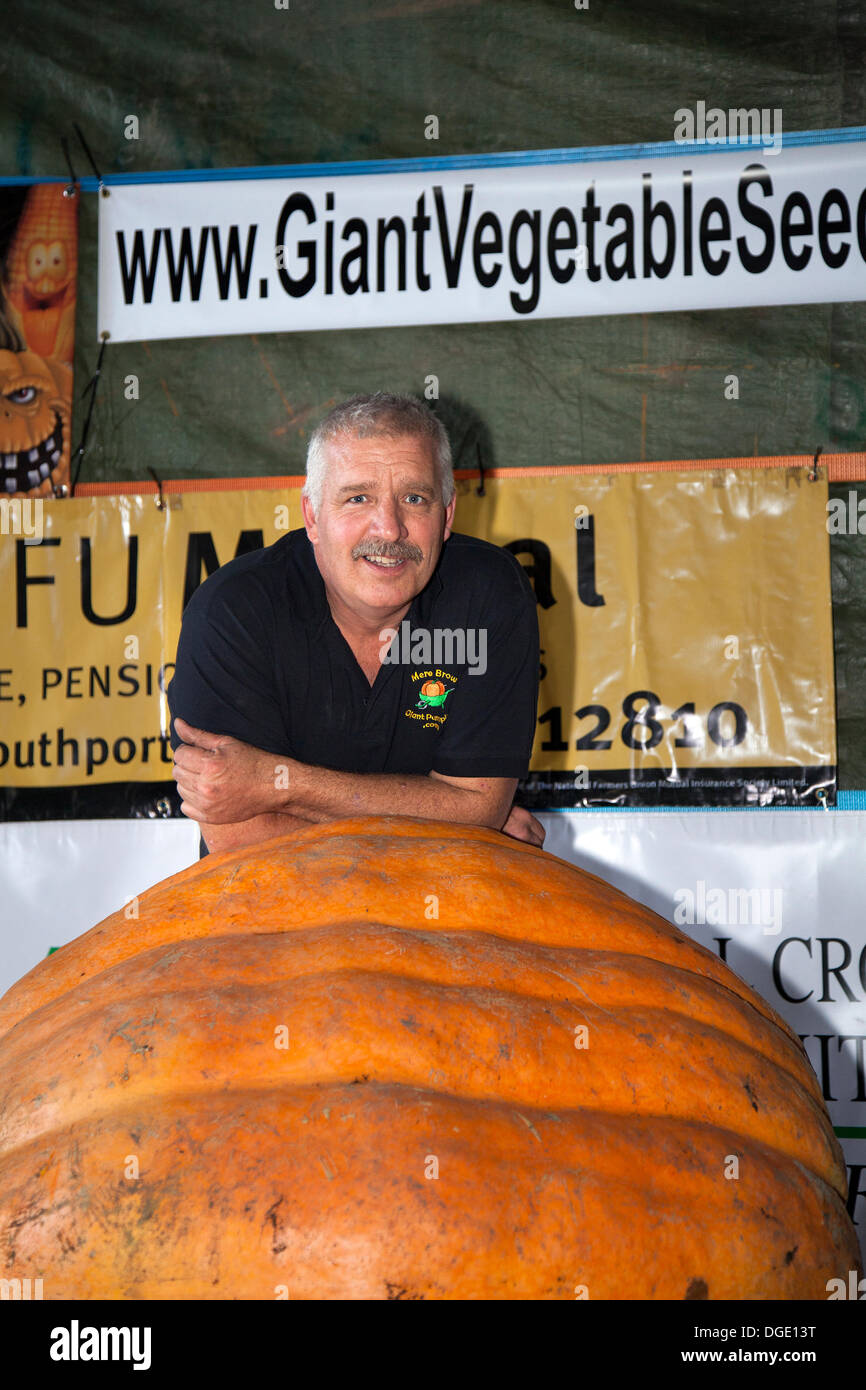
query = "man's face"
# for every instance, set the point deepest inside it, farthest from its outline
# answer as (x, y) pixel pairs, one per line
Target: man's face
(381, 501)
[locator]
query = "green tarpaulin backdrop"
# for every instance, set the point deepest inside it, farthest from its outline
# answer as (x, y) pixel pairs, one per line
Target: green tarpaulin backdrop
(228, 84)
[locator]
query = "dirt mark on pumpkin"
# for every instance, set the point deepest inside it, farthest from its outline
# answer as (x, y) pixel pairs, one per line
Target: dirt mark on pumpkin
(697, 1290)
(223, 892)
(142, 1048)
(529, 1125)
(276, 1228)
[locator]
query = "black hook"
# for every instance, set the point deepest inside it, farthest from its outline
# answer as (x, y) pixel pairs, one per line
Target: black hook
(90, 387)
(77, 128)
(69, 190)
(159, 499)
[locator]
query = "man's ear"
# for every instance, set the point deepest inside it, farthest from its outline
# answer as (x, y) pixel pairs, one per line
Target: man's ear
(449, 516)
(309, 519)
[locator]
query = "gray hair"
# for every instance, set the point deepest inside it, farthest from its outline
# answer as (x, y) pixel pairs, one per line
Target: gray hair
(378, 414)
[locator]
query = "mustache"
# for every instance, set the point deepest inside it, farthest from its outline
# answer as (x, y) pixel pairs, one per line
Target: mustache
(398, 550)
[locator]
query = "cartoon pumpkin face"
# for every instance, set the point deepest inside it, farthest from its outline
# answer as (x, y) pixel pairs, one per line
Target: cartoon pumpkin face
(34, 424)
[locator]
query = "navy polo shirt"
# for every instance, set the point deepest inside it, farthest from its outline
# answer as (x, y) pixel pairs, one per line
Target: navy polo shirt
(261, 658)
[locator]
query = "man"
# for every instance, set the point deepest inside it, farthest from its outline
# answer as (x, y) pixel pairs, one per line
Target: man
(369, 663)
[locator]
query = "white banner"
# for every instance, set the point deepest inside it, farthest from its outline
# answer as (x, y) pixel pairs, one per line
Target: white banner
(559, 235)
(59, 878)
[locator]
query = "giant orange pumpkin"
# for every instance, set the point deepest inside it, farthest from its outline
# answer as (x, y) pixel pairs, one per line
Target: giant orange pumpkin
(396, 1058)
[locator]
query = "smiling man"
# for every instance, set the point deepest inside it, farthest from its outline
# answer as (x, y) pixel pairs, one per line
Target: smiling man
(370, 663)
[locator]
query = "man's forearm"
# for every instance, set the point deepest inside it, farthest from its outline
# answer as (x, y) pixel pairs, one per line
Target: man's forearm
(319, 793)
(247, 832)
(224, 781)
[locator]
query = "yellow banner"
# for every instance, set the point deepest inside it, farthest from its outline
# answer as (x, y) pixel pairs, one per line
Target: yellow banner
(685, 629)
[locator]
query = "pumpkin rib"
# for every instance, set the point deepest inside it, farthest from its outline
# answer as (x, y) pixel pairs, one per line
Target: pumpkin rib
(62, 977)
(576, 1113)
(130, 1116)
(765, 1040)
(375, 1007)
(261, 1219)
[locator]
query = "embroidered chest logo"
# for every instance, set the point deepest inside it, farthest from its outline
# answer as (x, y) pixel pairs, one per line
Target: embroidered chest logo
(433, 693)
(432, 688)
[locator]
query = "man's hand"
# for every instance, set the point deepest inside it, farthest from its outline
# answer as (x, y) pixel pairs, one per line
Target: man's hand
(222, 780)
(522, 825)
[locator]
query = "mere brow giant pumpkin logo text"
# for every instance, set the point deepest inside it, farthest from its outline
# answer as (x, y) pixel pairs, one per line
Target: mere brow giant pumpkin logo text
(432, 694)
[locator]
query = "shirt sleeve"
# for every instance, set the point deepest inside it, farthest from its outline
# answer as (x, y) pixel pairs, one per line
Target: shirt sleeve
(224, 680)
(491, 723)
